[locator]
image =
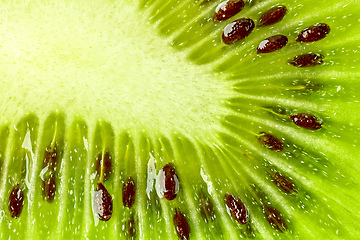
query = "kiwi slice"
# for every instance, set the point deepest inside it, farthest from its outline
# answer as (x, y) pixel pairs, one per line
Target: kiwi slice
(194, 119)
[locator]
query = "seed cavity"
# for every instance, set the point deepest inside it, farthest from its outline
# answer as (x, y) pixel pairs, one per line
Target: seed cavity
(272, 16)
(307, 60)
(181, 224)
(107, 165)
(284, 183)
(102, 203)
(206, 207)
(237, 30)
(275, 218)
(237, 209)
(128, 192)
(270, 142)
(314, 33)
(49, 187)
(306, 120)
(168, 182)
(272, 44)
(16, 201)
(227, 9)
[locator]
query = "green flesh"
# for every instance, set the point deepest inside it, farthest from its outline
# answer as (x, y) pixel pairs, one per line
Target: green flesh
(151, 82)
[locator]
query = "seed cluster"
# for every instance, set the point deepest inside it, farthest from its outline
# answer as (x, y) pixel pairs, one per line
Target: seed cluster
(169, 183)
(239, 29)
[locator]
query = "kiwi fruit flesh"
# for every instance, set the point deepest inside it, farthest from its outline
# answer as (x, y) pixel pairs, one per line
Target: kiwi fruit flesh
(156, 119)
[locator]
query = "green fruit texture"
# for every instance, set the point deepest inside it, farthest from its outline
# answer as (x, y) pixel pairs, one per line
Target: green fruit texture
(167, 119)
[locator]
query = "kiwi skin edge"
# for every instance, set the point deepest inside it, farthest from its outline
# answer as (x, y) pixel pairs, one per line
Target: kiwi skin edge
(261, 145)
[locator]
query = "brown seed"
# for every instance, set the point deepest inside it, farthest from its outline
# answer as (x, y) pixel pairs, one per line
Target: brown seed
(181, 224)
(128, 192)
(272, 44)
(306, 120)
(131, 227)
(272, 16)
(49, 187)
(16, 201)
(102, 203)
(50, 157)
(227, 9)
(107, 165)
(237, 30)
(307, 60)
(206, 207)
(275, 218)
(314, 33)
(168, 182)
(271, 142)
(284, 183)
(237, 209)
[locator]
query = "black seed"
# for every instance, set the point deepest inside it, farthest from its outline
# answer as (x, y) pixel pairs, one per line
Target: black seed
(307, 121)
(272, 16)
(128, 192)
(314, 33)
(227, 9)
(206, 207)
(284, 183)
(181, 224)
(307, 60)
(169, 182)
(50, 158)
(237, 209)
(275, 219)
(272, 44)
(16, 201)
(271, 142)
(49, 188)
(107, 165)
(131, 227)
(237, 30)
(102, 203)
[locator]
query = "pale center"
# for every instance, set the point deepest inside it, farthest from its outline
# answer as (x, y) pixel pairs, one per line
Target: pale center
(103, 61)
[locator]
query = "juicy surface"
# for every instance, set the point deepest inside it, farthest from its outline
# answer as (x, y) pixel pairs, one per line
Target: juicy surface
(152, 83)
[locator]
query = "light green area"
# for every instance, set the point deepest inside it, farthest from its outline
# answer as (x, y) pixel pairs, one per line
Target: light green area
(102, 60)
